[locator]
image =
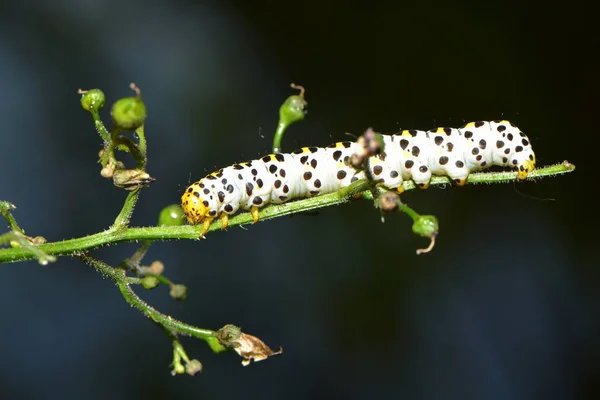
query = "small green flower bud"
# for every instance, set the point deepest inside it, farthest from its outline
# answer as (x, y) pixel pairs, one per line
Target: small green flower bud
(92, 100)
(150, 282)
(178, 369)
(171, 215)
(293, 108)
(193, 367)
(178, 291)
(128, 113)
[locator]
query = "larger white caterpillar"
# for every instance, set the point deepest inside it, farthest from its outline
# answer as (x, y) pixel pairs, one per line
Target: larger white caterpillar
(312, 171)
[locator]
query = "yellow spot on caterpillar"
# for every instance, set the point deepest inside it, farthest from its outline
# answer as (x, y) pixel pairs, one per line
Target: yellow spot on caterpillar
(406, 133)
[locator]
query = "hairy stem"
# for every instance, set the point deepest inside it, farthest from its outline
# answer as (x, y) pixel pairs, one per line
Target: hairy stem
(124, 283)
(125, 215)
(114, 235)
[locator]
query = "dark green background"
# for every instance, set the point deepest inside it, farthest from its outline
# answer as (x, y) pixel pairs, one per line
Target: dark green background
(507, 305)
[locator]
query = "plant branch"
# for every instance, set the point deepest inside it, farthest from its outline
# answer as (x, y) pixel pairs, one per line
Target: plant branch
(124, 283)
(78, 245)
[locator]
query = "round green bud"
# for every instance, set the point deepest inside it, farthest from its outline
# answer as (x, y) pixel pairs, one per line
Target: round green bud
(128, 113)
(426, 226)
(171, 215)
(6, 206)
(92, 100)
(292, 110)
(150, 282)
(178, 369)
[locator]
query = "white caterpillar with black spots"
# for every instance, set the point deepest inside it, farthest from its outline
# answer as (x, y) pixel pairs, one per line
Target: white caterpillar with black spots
(313, 171)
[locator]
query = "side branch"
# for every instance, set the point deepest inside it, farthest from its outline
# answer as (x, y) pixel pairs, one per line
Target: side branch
(124, 282)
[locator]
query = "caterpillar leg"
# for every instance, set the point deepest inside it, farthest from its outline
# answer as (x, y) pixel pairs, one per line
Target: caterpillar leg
(224, 220)
(460, 182)
(254, 211)
(400, 189)
(206, 224)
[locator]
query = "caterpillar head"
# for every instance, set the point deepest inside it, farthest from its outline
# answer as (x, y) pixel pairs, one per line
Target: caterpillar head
(526, 168)
(198, 202)
(525, 162)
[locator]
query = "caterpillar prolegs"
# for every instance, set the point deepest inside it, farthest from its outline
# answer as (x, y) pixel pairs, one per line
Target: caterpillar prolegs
(313, 171)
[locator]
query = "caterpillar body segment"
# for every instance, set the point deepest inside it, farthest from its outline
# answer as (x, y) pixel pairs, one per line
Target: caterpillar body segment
(313, 171)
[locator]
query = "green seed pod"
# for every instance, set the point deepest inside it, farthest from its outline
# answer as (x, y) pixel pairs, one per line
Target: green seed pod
(150, 282)
(171, 215)
(426, 226)
(128, 113)
(293, 109)
(92, 100)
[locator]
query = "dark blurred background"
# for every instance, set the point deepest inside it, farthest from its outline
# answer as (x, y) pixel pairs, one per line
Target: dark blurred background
(505, 307)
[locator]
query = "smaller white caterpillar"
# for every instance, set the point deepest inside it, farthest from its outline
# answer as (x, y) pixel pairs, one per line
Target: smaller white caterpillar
(312, 171)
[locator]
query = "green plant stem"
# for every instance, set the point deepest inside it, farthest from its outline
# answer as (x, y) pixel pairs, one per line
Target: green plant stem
(143, 148)
(119, 233)
(279, 132)
(125, 215)
(100, 128)
(124, 283)
(25, 244)
(5, 211)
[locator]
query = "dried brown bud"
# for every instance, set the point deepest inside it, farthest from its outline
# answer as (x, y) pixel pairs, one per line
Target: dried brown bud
(368, 145)
(131, 179)
(249, 347)
(156, 268)
(388, 201)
